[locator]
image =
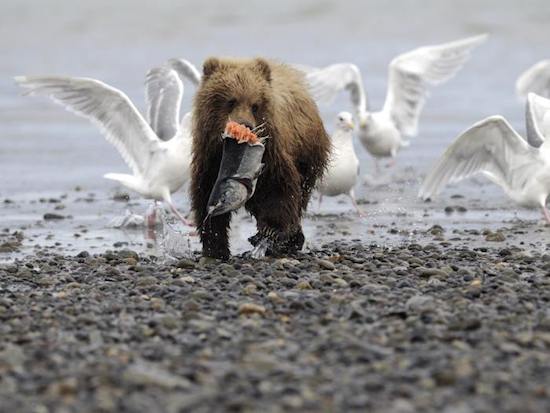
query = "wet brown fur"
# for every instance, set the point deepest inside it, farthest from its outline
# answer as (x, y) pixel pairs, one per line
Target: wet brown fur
(296, 152)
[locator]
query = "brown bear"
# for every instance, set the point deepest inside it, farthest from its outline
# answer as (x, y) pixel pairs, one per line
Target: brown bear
(253, 92)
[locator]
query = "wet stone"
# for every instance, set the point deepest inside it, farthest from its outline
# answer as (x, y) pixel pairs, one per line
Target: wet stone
(495, 237)
(186, 264)
(325, 264)
(431, 272)
(50, 216)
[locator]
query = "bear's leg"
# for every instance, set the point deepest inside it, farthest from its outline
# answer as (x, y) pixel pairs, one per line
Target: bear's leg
(279, 242)
(310, 172)
(214, 236)
(278, 219)
(213, 231)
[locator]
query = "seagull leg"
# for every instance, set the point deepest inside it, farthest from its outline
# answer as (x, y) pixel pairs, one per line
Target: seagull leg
(152, 216)
(177, 213)
(151, 220)
(546, 214)
(351, 194)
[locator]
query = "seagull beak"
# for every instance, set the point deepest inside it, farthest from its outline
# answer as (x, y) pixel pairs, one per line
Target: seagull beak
(362, 123)
(351, 125)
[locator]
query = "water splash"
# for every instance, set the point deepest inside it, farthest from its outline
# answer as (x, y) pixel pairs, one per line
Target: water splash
(128, 220)
(259, 251)
(173, 242)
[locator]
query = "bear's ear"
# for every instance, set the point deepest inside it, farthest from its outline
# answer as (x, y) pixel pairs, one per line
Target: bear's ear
(209, 66)
(263, 67)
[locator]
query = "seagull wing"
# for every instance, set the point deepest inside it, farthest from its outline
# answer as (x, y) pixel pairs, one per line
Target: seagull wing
(492, 147)
(536, 79)
(410, 75)
(186, 70)
(108, 108)
(537, 118)
(163, 90)
(325, 83)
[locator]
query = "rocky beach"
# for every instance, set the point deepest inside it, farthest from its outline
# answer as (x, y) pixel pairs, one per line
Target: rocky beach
(347, 327)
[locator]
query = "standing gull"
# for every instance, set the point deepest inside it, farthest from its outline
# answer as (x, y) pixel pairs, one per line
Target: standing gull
(343, 169)
(492, 147)
(158, 156)
(410, 75)
(536, 79)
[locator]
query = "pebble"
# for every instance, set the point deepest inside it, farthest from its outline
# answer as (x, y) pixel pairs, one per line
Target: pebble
(420, 303)
(340, 282)
(326, 265)
(186, 264)
(274, 297)
(48, 216)
(187, 279)
(10, 246)
(205, 261)
(251, 308)
(431, 272)
(495, 237)
(147, 374)
(303, 285)
(125, 254)
(147, 281)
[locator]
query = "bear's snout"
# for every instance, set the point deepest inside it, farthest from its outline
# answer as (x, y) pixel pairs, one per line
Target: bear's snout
(250, 124)
(244, 117)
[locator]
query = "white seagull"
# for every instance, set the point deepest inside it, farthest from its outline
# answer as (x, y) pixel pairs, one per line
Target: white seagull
(343, 169)
(185, 70)
(492, 147)
(536, 79)
(410, 75)
(158, 155)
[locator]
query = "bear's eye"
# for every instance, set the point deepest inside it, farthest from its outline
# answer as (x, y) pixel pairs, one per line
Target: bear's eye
(255, 108)
(231, 103)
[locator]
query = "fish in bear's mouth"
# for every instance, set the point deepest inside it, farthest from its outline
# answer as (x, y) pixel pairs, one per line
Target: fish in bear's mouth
(240, 168)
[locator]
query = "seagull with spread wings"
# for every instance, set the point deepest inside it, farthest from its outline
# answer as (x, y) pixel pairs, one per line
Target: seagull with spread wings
(186, 70)
(536, 79)
(158, 153)
(410, 76)
(493, 148)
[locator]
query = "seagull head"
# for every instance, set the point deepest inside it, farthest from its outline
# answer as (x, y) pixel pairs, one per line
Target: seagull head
(344, 121)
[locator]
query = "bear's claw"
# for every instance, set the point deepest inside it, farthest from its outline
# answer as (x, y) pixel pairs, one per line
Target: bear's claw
(271, 242)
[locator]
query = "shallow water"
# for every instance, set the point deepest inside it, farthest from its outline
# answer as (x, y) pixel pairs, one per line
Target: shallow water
(46, 152)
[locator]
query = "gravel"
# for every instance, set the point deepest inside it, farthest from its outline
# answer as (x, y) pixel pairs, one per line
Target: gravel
(347, 327)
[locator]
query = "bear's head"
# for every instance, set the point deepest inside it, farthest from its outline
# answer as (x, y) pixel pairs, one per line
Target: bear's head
(233, 90)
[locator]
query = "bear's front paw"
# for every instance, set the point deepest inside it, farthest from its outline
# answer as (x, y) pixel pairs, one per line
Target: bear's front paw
(271, 242)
